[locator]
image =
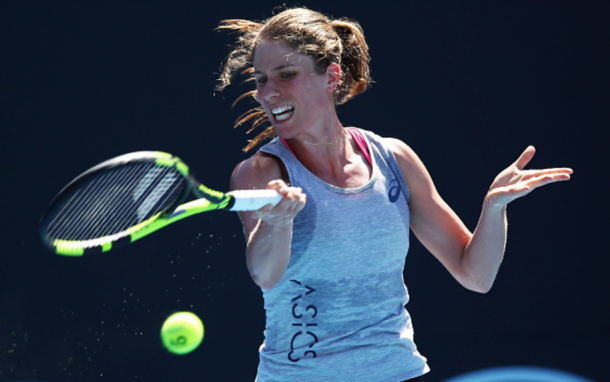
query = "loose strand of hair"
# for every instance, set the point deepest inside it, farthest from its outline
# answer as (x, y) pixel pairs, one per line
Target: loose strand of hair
(247, 116)
(250, 93)
(267, 134)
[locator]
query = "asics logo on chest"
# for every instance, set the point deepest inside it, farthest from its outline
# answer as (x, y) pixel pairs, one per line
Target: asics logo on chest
(394, 190)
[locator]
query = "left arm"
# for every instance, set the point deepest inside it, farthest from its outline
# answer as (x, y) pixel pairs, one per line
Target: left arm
(472, 258)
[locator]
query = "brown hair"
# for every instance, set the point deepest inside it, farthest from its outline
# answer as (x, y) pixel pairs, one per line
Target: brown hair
(327, 41)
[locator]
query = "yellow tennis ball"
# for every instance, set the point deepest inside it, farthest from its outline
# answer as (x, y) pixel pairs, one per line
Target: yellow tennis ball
(182, 332)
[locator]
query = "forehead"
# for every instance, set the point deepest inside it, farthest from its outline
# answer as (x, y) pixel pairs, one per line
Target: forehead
(275, 55)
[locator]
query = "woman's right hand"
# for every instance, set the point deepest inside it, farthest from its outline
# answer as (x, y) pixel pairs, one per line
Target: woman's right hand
(283, 213)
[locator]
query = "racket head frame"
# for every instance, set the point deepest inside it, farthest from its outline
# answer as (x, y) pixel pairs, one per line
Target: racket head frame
(105, 244)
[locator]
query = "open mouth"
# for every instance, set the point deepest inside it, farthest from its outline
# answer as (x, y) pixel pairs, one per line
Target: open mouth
(281, 113)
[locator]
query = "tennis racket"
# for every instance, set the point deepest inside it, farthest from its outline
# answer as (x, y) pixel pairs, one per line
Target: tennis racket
(131, 196)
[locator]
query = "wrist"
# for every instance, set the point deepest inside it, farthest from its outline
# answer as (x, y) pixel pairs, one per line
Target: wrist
(277, 225)
(491, 203)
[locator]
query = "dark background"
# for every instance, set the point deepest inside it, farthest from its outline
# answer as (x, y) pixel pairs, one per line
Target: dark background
(468, 84)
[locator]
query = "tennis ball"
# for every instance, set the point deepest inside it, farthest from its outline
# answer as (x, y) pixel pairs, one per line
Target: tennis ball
(182, 332)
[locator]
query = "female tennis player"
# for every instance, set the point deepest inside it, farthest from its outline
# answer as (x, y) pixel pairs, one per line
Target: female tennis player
(329, 257)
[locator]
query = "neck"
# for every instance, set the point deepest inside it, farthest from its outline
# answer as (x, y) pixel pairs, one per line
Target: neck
(324, 155)
(341, 164)
(323, 140)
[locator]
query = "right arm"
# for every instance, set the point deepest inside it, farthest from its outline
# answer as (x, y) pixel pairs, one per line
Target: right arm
(268, 230)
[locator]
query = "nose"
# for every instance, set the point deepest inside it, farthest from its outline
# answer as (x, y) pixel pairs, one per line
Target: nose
(269, 92)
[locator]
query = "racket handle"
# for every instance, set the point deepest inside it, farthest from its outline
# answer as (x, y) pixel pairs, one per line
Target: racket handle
(252, 200)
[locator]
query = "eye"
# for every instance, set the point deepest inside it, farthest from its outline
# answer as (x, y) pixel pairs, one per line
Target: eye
(287, 75)
(260, 80)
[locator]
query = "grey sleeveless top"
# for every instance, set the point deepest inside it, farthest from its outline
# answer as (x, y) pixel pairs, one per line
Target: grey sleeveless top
(338, 312)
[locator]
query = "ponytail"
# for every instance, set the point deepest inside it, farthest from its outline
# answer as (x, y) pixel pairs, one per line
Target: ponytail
(354, 60)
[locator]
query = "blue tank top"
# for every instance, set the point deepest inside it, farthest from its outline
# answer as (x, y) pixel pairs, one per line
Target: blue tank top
(338, 313)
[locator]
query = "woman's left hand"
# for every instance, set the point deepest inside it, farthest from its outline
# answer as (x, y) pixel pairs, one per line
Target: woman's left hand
(515, 182)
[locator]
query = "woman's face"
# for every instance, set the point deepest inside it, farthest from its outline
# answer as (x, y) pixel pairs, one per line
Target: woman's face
(293, 95)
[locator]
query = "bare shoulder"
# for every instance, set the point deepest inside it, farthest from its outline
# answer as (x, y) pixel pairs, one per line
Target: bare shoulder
(413, 169)
(256, 171)
(405, 156)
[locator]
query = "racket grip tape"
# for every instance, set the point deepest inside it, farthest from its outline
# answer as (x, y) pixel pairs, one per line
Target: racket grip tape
(252, 200)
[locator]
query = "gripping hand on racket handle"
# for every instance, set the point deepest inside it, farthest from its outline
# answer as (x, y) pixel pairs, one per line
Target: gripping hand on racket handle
(283, 213)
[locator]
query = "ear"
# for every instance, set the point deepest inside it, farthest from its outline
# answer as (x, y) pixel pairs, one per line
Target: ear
(334, 77)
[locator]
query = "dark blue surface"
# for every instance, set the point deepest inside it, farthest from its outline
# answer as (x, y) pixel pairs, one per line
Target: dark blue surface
(467, 84)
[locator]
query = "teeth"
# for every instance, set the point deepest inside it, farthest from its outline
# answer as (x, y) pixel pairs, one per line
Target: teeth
(281, 109)
(282, 112)
(282, 117)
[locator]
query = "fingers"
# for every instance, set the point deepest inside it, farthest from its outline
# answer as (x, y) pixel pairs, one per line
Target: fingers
(501, 196)
(543, 178)
(276, 185)
(290, 194)
(525, 157)
(285, 211)
(555, 173)
(550, 171)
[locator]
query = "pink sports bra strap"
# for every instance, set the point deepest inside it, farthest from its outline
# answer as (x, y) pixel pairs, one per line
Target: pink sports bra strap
(361, 142)
(288, 147)
(358, 138)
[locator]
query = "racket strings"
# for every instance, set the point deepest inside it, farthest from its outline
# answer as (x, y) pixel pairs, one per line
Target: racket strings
(158, 193)
(83, 216)
(70, 219)
(116, 201)
(113, 204)
(86, 225)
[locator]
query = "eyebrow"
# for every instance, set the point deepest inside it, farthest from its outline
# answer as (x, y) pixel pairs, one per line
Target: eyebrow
(274, 69)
